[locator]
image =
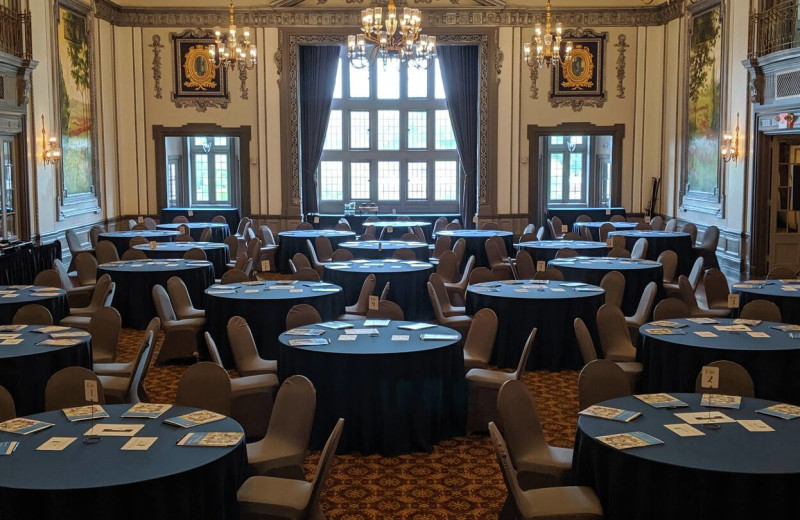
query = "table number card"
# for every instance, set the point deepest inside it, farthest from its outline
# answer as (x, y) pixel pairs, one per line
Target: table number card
(400, 337)
(265, 266)
(153, 245)
(705, 334)
(90, 390)
(755, 425)
(374, 303)
(684, 430)
(709, 377)
(541, 266)
(564, 228)
(190, 213)
(140, 219)
(139, 443)
(733, 301)
(758, 334)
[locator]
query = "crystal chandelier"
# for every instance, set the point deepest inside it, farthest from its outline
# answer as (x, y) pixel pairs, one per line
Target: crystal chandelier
(232, 51)
(546, 51)
(392, 38)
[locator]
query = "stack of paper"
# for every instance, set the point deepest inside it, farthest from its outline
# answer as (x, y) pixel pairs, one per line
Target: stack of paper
(146, 411)
(661, 400)
(85, 413)
(721, 401)
(624, 441)
(23, 426)
(784, 411)
(607, 412)
(195, 418)
(211, 439)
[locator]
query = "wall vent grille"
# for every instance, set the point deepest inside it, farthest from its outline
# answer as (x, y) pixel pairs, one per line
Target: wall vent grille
(787, 84)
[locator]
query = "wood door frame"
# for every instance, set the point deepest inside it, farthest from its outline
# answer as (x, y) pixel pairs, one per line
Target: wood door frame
(536, 182)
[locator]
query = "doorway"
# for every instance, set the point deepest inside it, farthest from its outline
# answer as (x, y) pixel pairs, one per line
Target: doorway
(784, 226)
(9, 222)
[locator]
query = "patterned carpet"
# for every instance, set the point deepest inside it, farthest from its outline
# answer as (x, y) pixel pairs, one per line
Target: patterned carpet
(460, 479)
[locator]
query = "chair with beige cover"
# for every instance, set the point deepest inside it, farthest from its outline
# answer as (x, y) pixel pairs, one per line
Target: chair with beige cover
(316, 263)
(323, 248)
(245, 353)
(448, 267)
(566, 252)
(385, 291)
(717, 291)
(367, 236)
(453, 226)
(262, 498)
(569, 235)
(671, 225)
(86, 267)
(206, 235)
(404, 253)
(632, 369)
(180, 219)
(617, 241)
(733, 380)
(538, 464)
(235, 276)
(387, 310)
(133, 254)
(657, 223)
(48, 278)
(673, 290)
(550, 273)
(460, 249)
(448, 309)
(614, 284)
(780, 273)
(550, 503)
(140, 227)
(254, 250)
(643, 310)
(150, 223)
(300, 261)
(669, 264)
(526, 269)
(77, 295)
(94, 234)
(233, 248)
(695, 310)
(125, 389)
(101, 297)
(7, 408)
(501, 268)
(137, 241)
(490, 226)
(615, 340)
(480, 339)
(306, 274)
(618, 252)
(75, 246)
(643, 226)
(763, 310)
(605, 229)
(180, 335)
(600, 380)
(639, 251)
(670, 309)
(241, 227)
(304, 226)
(132, 224)
(219, 219)
(443, 243)
(106, 252)
(269, 249)
(207, 386)
(457, 290)
(707, 249)
(105, 327)
(66, 389)
(528, 237)
(480, 275)
(617, 218)
(301, 315)
(32, 314)
(358, 310)
(459, 323)
(126, 369)
(342, 255)
(439, 225)
(251, 396)
(181, 300)
(195, 253)
(341, 226)
(282, 451)
(556, 228)
(483, 386)
(409, 237)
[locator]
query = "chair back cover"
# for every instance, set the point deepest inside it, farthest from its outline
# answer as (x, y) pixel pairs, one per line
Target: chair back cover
(387, 310)
(300, 315)
(481, 336)
(243, 346)
(669, 309)
(304, 226)
(639, 251)
(601, 380)
(206, 235)
(233, 245)
(585, 341)
(213, 351)
(207, 386)
(7, 408)
(195, 253)
(710, 239)
(140, 368)
(443, 243)
(63, 276)
(439, 225)
(404, 253)
(342, 255)
(292, 416)
(164, 309)
(324, 465)
(459, 248)
(716, 285)
(550, 273)
(645, 303)
(66, 389)
(234, 276)
(94, 234)
(180, 219)
(73, 242)
(613, 331)
(179, 296)
(671, 225)
(137, 241)
(516, 410)
(306, 274)
(106, 252)
(49, 278)
(691, 229)
(447, 267)
(490, 225)
(614, 284)
(618, 218)
(669, 264)
(33, 314)
(619, 252)
(105, 327)
(86, 265)
(657, 222)
(480, 275)
(733, 380)
(566, 252)
(134, 254)
(526, 352)
(763, 310)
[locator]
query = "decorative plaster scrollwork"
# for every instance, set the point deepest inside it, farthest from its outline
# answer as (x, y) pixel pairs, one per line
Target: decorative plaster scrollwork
(534, 79)
(577, 104)
(498, 56)
(156, 46)
(621, 45)
(243, 92)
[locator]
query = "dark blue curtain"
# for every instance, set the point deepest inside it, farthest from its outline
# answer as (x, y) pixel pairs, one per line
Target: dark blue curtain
(459, 66)
(317, 77)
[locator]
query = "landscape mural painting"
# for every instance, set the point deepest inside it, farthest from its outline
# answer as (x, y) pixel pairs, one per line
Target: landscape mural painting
(703, 129)
(75, 103)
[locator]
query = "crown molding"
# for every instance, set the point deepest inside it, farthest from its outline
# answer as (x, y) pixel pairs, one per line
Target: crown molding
(489, 15)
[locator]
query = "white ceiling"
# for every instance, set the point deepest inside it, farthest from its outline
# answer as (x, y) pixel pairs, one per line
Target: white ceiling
(221, 4)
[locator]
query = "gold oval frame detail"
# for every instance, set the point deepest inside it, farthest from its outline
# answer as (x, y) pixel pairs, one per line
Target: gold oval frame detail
(195, 80)
(584, 79)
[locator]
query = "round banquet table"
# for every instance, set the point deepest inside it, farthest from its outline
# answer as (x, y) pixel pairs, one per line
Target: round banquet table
(265, 310)
(219, 230)
(521, 305)
(216, 253)
(26, 367)
(372, 249)
(408, 279)
(122, 239)
(637, 273)
(101, 481)
(476, 240)
(396, 396)
(135, 279)
(729, 473)
(660, 241)
(292, 242)
(394, 229)
(672, 362)
(13, 297)
(785, 295)
(546, 250)
(594, 227)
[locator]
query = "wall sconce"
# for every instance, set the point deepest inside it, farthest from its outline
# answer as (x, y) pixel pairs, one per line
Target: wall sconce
(51, 153)
(730, 144)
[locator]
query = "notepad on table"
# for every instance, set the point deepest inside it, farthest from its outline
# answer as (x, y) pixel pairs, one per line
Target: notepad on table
(664, 332)
(211, 439)
(439, 337)
(51, 328)
(23, 426)
(721, 401)
(669, 324)
(139, 443)
(702, 321)
(12, 328)
(704, 417)
(684, 430)
(607, 412)
(195, 418)
(742, 321)
(336, 325)
(308, 342)
(370, 331)
(65, 342)
(782, 410)
(661, 400)
(114, 430)
(376, 323)
(146, 411)
(85, 413)
(304, 332)
(416, 326)
(732, 328)
(786, 328)
(624, 441)
(71, 334)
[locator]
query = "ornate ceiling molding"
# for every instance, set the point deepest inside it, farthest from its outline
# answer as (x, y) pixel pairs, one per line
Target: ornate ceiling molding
(489, 15)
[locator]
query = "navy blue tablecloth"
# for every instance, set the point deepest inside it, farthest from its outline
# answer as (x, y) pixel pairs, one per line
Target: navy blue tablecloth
(25, 368)
(569, 215)
(28, 294)
(395, 229)
(265, 311)
(217, 254)
(546, 250)
(726, 474)
(594, 227)
(100, 481)
(396, 396)
(521, 305)
(328, 220)
(408, 289)
(20, 263)
(292, 242)
(775, 291)
(201, 214)
(672, 362)
(660, 241)
(133, 297)
(122, 239)
(637, 273)
(219, 230)
(476, 243)
(372, 249)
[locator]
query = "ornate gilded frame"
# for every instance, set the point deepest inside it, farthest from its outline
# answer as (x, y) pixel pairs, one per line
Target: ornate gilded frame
(192, 88)
(585, 87)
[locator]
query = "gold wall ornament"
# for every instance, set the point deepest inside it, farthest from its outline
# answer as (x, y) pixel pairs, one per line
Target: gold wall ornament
(199, 69)
(579, 71)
